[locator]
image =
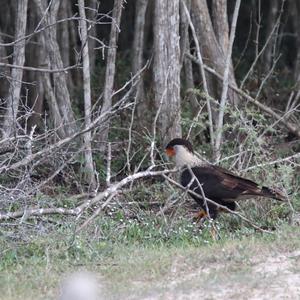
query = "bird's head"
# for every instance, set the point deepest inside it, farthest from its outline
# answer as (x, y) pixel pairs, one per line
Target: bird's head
(182, 151)
(176, 145)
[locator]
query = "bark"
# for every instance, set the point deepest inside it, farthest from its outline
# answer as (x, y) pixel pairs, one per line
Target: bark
(211, 49)
(89, 166)
(110, 69)
(63, 33)
(167, 68)
(137, 55)
(9, 123)
(45, 89)
(76, 74)
(220, 23)
(92, 15)
(184, 29)
(59, 79)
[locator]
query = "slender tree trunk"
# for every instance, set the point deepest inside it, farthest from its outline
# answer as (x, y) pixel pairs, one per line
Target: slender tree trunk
(212, 51)
(295, 14)
(4, 86)
(92, 15)
(187, 64)
(268, 56)
(89, 166)
(35, 94)
(59, 79)
(9, 123)
(110, 69)
(63, 33)
(167, 68)
(45, 89)
(226, 79)
(220, 23)
(137, 55)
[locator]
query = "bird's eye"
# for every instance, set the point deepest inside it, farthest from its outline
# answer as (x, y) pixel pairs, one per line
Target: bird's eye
(170, 151)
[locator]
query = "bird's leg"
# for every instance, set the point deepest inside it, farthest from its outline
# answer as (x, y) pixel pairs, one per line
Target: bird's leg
(200, 216)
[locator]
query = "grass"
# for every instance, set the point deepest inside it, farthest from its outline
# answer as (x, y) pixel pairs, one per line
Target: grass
(134, 256)
(137, 252)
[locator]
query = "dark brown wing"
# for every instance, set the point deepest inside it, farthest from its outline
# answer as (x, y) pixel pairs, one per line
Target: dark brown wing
(218, 183)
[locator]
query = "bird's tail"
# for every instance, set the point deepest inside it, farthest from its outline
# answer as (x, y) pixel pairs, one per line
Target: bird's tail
(273, 193)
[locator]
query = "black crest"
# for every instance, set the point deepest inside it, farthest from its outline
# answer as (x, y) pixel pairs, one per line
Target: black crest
(182, 142)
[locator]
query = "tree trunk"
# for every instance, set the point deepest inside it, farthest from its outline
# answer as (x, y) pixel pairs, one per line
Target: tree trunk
(9, 123)
(211, 50)
(187, 64)
(89, 166)
(295, 14)
(137, 56)
(45, 89)
(4, 86)
(92, 14)
(59, 79)
(167, 68)
(63, 33)
(220, 23)
(110, 69)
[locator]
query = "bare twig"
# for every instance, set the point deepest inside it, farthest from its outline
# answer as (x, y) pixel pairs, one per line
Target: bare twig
(96, 213)
(273, 162)
(65, 70)
(108, 165)
(257, 56)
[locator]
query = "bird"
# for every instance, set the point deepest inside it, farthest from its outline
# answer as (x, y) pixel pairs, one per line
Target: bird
(213, 182)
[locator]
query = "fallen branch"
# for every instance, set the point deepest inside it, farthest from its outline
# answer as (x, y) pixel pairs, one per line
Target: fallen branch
(111, 190)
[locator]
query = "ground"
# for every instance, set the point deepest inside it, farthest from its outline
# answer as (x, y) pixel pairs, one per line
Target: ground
(257, 266)
(266, 277)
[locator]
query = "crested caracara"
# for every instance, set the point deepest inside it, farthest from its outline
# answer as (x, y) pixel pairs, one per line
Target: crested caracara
(218, 184)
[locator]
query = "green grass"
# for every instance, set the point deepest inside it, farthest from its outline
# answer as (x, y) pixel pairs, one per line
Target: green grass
(133, 256)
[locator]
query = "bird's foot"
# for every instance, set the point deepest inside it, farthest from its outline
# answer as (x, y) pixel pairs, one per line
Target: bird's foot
(200, 216)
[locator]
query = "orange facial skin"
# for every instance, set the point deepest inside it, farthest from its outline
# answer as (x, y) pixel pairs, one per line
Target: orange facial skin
(170, 151)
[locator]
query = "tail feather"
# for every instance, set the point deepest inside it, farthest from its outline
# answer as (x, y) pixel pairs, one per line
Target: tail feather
(273, 193)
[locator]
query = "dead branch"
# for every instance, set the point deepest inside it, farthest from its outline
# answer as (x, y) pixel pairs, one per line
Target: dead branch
(273, 162)
(11, 66)
(77, 211)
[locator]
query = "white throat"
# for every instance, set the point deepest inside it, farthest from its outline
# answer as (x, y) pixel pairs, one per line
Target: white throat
(184, 157)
